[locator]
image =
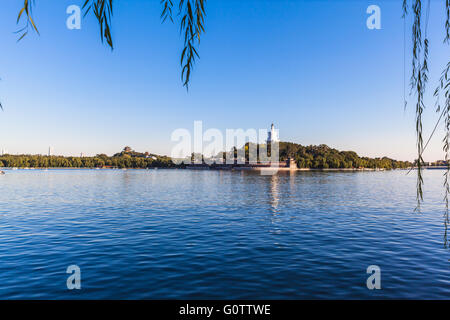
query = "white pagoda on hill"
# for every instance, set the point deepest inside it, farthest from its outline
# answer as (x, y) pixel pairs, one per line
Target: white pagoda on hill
(272, 135)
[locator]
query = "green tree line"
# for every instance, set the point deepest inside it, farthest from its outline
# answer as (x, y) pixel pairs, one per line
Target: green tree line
(322, 157)
(316, 157)
(121, 160)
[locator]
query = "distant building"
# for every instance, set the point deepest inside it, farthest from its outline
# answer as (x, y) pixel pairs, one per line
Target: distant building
(272, 135)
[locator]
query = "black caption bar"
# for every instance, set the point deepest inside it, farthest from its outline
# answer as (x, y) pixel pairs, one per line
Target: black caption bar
(213, 309)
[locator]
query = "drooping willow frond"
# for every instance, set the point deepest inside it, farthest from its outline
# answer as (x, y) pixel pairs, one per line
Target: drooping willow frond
(103, 11)
(192, 24)
(418, 80)
(192, 27)
(26, 13)
(167, 10)
(417, 42)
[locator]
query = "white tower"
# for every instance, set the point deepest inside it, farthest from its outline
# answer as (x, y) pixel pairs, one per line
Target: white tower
(272, 135)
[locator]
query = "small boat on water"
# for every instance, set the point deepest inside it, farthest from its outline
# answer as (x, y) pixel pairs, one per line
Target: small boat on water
(2, 172)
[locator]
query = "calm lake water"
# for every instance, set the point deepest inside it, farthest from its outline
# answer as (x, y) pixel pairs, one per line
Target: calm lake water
(153, 234)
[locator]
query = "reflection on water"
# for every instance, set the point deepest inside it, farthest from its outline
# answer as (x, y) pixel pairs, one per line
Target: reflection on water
(216, 234)
(274, 192)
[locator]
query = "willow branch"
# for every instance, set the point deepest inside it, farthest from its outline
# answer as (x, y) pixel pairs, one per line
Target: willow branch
(103, 11)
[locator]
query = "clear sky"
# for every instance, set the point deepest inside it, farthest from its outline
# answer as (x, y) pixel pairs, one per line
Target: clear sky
(311, 67)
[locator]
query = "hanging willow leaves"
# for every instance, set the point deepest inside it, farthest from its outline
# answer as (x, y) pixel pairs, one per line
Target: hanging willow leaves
(419, 78)
(167, 10)
(26, 13)
(192, 21)
(417, 82)
(103, 11)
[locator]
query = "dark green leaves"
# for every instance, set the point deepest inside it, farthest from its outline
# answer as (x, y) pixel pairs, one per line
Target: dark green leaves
(103, 11)
(192, 21)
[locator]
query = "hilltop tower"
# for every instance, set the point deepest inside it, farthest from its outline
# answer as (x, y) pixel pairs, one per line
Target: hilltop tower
(272, 135)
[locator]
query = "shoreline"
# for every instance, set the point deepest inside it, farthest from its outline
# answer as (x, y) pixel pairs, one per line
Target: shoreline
(237, 168)
(206, 168)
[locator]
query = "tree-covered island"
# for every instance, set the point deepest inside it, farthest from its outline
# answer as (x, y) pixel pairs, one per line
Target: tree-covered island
(314, 157)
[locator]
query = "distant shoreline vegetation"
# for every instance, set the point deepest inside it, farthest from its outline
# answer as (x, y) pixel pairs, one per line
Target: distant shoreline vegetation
(324, 157)
(313, 157)
(128, 158)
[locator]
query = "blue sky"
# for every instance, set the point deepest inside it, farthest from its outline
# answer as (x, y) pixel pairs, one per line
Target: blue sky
(311, 67)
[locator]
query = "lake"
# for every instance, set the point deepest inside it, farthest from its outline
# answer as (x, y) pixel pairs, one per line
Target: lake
(182, 234)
